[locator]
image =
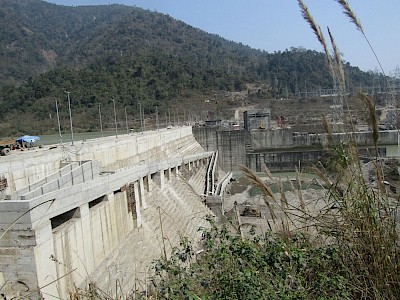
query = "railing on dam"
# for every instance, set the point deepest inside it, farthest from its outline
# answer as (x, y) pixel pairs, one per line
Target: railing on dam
(214, 193)
(92, 189)
(71, 174)
(221, 186)
(210, 177)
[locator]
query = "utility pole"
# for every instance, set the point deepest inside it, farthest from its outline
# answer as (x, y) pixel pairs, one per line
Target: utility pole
(115, 119)
(140, 116)
(126, 121)
(70, 118)
(58, 121)
(157, 122)
(101, 123)
(144, 120)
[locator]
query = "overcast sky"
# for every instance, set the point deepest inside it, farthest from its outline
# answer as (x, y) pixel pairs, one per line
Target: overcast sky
(274, 25)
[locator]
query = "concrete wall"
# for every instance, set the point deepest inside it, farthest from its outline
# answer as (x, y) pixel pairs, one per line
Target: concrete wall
(82, 244)
(274, 138)
(256, 119)
(281, 149)
(25, 168)
(282, 160)
(64, 233)
(387, 137)
(230, 144)
(172, 211)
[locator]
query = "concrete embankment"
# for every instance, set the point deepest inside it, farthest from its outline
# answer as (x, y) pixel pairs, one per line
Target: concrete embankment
(70, 224)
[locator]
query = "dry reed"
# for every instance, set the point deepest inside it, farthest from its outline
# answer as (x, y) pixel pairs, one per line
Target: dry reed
(318, 33)
(265, 189)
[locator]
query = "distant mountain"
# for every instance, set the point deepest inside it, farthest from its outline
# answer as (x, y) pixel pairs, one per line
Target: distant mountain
(132, 55)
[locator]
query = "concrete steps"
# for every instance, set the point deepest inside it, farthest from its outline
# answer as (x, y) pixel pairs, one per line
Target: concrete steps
(197, 180)
(191, 203)
(162, 217)
(185, 146)
(182, 213)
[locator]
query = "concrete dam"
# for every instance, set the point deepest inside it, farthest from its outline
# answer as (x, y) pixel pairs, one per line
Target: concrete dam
(281, 149)
(100, 211)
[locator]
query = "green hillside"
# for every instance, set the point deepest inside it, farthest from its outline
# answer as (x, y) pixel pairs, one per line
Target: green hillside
(99, 53)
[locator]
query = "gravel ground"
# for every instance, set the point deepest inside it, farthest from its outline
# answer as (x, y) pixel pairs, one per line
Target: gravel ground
(315, 201)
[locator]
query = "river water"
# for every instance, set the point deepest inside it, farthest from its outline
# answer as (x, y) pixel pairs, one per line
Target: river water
(392, 151)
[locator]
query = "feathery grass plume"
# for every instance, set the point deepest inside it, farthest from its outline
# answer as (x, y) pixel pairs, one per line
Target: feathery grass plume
(359, 220)
(341, 77)
(292, 186)
(284, 202)
(373, 122)
(318, 33)
(353, 19)
(299, 191)
(267, 171)
(264, 189)
(350, 13)
(328, 129)
(284, 207)
(338, 60)
(257, 181)
(310, 20)
(328, 56)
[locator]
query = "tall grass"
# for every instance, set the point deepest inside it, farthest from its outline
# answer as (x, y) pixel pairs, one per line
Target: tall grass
(363, 224)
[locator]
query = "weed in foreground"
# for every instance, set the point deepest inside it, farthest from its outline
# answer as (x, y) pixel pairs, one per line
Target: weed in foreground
(263, 267)
(362, 224)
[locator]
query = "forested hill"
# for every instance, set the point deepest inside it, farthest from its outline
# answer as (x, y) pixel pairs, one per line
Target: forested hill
(127, 53)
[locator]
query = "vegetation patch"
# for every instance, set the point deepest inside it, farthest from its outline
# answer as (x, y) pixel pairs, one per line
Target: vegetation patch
(270, 266)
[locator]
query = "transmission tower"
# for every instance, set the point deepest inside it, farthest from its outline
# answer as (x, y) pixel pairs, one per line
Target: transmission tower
(391, 117)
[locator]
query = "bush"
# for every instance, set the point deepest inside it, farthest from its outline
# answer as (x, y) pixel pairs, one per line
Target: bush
(264, 267)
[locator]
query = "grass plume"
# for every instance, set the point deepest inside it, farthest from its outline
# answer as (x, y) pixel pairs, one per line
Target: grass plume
(338, 61)
(353, 19)
(373, 120)
(318, 33)
(265, 189)
(350, 13)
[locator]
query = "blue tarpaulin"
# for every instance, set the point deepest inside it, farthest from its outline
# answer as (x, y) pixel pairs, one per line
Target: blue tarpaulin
(27, 139)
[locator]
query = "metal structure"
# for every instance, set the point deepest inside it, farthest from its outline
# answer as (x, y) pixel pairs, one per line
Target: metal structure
(70, 118)
(391, 107)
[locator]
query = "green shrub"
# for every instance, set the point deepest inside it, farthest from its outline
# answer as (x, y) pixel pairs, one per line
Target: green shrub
(264, 267)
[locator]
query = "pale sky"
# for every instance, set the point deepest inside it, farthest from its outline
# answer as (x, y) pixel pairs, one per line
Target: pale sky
(274, 25)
